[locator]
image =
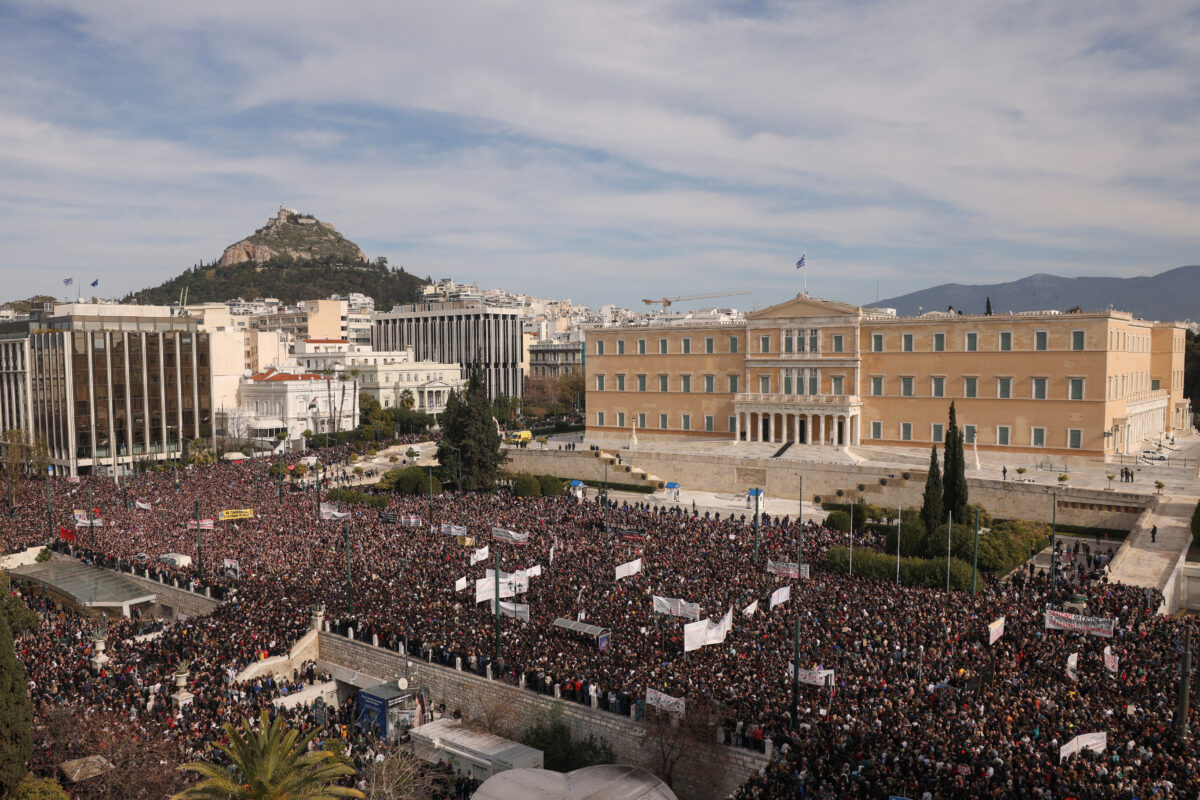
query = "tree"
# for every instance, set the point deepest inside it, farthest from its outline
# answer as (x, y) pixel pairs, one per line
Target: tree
(407, 401)
(16, 715)
(21, 459)
(931, 505)
(469, 431)
(563, 753)
(30, 788)
(20, 617)
(987, 311)
(272, 763)
(401, 776)
(668, 740)
(199, 453)
(954, 491)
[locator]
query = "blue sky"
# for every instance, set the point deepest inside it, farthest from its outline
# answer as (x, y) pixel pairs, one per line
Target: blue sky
(606, 151)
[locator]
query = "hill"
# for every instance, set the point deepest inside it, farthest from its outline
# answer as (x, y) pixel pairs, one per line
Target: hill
(293, 257)
(1170, 295)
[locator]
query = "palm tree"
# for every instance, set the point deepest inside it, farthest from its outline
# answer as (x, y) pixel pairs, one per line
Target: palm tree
(273, 763)
(407, 401)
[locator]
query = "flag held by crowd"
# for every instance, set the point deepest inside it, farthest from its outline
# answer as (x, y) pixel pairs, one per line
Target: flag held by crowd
(512, 537)
(705, 632)
(479, 555)
(629, 569)
(143, 506)
(749, 610)
(1110, 659)
(460, 584)
(995, 630)
(1073, 666)
(780, 596)
(1097, 742)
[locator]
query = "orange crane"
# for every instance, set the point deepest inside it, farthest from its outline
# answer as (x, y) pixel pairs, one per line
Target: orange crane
(666, 301)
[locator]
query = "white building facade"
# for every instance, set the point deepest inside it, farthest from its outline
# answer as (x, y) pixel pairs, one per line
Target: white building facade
(291, 403)
(394, 378)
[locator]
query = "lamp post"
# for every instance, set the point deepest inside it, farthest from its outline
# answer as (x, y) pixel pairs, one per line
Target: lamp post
(851, 538)
(199, 552)
(606, 506)
(496, 606)
(430, 498)
(49, 513)
(1053, 539)
(975, 558)
(349, 577)
(899, 516)
(1185, 688)
(91, 515)
(756, 496)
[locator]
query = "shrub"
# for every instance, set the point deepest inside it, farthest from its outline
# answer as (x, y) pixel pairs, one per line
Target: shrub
(526, 485)
(838, 521)
(408, 480)
(927, 572)
(550, 485)
(43, 556)
(393, 458)
(355, 496)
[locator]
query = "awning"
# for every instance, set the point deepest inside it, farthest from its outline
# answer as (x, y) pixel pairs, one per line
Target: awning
(88, 586)
(579, 627)
(267, 423)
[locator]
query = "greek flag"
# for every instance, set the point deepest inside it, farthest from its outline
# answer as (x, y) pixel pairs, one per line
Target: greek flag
(96, 282)
(68, 281)
(800, 263)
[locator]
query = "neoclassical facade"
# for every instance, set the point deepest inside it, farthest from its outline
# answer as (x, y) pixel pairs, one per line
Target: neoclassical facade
(812, 371)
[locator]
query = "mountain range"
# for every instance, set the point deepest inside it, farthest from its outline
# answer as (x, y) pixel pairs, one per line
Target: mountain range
(1171, 295)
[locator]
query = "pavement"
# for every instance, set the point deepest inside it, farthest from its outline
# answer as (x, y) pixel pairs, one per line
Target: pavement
(1150, 563)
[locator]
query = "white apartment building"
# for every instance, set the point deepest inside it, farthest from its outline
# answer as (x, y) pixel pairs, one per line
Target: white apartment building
(274, 402)
(385, 375)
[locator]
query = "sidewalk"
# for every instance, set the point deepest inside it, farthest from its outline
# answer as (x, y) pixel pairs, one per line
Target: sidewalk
(1146, 563)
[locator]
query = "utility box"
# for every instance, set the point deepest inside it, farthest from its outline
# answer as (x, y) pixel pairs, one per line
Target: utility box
(390, 710)
(478, 753)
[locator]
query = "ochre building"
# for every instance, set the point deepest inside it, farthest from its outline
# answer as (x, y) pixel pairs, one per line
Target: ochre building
(812, 371)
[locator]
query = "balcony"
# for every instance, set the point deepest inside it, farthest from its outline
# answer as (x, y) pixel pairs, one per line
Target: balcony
(799, 399)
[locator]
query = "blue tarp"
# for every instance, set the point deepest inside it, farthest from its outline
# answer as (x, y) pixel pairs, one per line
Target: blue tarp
(575, 483)
(673, 485)
(755, 492)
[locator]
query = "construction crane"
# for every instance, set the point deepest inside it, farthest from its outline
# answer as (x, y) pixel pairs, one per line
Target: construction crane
(666, 301)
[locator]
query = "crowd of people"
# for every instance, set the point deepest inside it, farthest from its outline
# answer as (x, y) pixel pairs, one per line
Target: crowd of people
(920, 702)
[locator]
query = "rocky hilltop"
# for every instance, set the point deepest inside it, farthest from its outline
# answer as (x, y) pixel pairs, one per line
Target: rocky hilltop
(296, 236)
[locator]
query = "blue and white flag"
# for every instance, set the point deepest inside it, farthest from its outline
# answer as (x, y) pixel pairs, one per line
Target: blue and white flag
(800, 263)
(96, 282)
(68, 281)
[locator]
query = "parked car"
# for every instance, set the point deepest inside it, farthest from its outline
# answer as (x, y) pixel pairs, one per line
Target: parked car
(1153, 455)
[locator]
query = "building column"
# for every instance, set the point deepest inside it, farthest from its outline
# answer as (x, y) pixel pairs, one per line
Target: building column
(857, 429)
(737, 426)
(820, 428)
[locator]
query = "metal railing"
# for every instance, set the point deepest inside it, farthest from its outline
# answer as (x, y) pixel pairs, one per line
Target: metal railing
(804, 399)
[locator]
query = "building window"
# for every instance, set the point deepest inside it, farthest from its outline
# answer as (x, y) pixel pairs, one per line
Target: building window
(733, 384)
(877, 385)
(733, 344)
(599, 347)
(838, 384)
(641, 383)
(788, 338)
(812, 340)
(938, 387)
(1039, 340)
(906, 387)
(972, 342)
(600, 418)
(1076, 389)
(709, 347)
(620, 419)
(968, 434)
(662, 383)
(687, 346)
(662, 421)
(685, 383)
(599, 383)
(877, 345)
(710, 383)
(936, 432)
(662, 347)
(733, 424)
(620, 383)
(970, 387)
(764, 384)
(764, 344)
(906, 342)
(620, 347)
(641, 420)
(1075, 438)
(1076, 340)
(1039, 388)
(876, 429)
(1004, 388)
(812, 381)
(687, 422)
(708, 423)
(1038, 437)
(1002, 432)
(837, 344)
(906, 431)
(939, 342)
(641, 347)
(1006, 341)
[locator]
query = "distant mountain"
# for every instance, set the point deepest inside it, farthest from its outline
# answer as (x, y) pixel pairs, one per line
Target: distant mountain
(1171, 295)
(293, 257)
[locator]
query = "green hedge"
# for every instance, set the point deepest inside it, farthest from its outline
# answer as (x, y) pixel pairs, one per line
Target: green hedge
(408, 480)
(838, 521)
(621, 487)
(354, 496)
(927, 572)
(526, 485)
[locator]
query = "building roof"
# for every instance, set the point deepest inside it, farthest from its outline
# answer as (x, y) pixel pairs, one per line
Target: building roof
(273, 375)
(87, 585)
(326, 341)
(600, 782)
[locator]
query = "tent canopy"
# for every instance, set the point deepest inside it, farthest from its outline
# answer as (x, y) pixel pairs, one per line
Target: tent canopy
(576, 483)
(673, 485)
(755, 492)
(579, 627)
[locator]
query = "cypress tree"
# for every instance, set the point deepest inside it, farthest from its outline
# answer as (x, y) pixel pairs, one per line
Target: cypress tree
(949, 465)
(987, 312)
(931, 505)
(954, 496)
(469, 431)
(16, 715)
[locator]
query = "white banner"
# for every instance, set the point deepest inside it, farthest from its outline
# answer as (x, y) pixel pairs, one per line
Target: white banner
(454, 530)
(706, 632)
(479, 555)
(510, 582)
(410, 521)
(460, 584)
(485, 589)
(787, 569)
(675, 607)
(329, 511)
(1110, 660)
(1077, 623)
(780, 596)
(629, 569)
(142, 506)
(1073, 666)
(672, 705)
(505, 535)
(205, 524)
(1084, 741)
(813, 677)
(518, 610)
(995, 630)
(535, 571)
(749, 610)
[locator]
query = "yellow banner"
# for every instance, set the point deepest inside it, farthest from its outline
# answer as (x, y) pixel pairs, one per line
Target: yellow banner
(236, 513)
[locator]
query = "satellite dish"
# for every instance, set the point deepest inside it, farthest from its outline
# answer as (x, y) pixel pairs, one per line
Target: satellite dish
(402, 683)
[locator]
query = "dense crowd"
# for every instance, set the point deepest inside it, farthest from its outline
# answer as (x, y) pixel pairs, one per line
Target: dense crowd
(920, 702)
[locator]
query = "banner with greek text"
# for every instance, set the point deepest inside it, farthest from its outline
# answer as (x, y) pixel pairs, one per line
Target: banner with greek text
(410, 521)
(512, 537)
(236, 513)
(1110, 659)
(142, 506)
(1084, 741)
(787, 569)
(672, 705)
(995, 630)
(813, 677)
(518, 610)
(676, 607)
(454, 530)
(205, 524)
(1077, 623)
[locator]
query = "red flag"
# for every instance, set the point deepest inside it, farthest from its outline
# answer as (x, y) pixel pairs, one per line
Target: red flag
(66, 534)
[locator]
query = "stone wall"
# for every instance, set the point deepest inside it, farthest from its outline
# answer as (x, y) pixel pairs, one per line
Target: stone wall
(305, 649)
(712, 772)
(783, 478)
(173, 601)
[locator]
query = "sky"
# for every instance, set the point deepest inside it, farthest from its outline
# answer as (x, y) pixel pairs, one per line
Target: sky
(606, 151)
